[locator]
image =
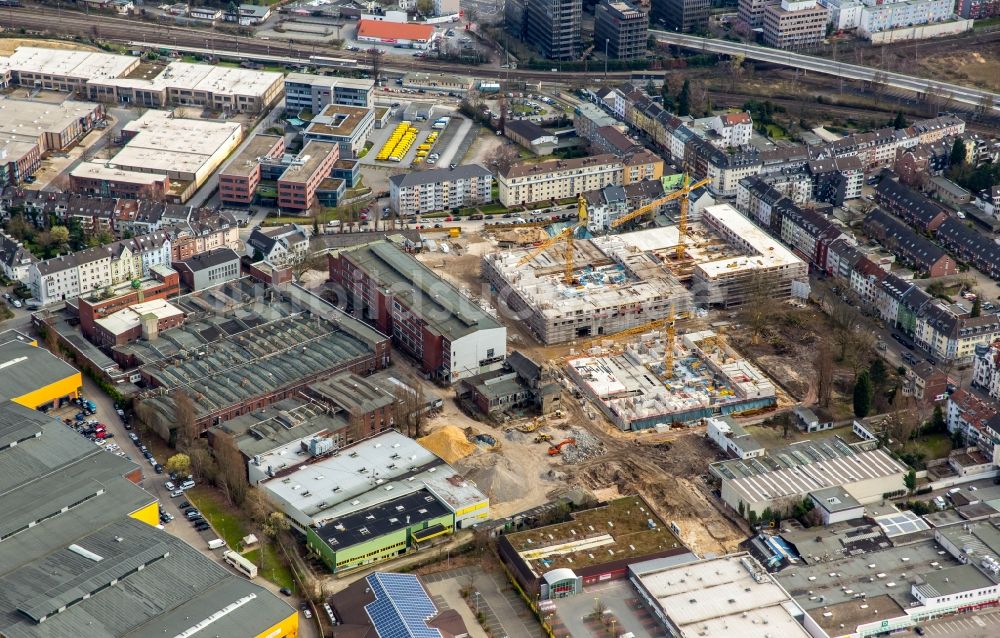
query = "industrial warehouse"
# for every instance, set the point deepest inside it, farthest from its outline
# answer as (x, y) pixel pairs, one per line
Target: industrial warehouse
(368, 502)
(244, 346)
(646, 386)
(604, 285)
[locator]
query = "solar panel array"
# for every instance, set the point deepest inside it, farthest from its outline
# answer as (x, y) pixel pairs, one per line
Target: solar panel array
(401, 607)
(901, 524)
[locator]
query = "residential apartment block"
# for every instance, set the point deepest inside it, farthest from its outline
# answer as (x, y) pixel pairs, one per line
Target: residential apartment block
(85, 271)
(951, 333)
(448, 335)
(986, 369)
(977, 420)
(278, 245)
(685, 16)
(305, 91)
(440, 189)
(876, 17)
(553, 27)
(558, 179)
(977, 9)
(348, 126)
(622, 27)
(794, 24)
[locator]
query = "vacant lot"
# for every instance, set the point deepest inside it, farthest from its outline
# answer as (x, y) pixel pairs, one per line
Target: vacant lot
(9, 45)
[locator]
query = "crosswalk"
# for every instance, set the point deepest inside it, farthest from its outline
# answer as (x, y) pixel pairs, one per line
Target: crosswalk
(978, 625)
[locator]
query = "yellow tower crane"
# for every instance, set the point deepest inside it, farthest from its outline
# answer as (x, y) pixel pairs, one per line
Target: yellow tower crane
(566, 235)
(683, 194)
(668, 346)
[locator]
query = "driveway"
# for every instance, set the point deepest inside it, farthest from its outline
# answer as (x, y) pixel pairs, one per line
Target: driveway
(504, 613)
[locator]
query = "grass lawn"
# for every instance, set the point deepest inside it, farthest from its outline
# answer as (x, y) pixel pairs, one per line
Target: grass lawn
(231, 525)
(275, 568)
(364, 151)
(225, 519)
(933, 446)
(493, 208)
(775, 132)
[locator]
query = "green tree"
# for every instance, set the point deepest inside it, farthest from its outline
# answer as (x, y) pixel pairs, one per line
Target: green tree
(938, 424)
(668, 99)
(878, 373)
(958, 153)
(179, 463)
(425, 7)
(910, 480)
(684, 99)
(900, 121)
(752, 518)
(977, 307)
(864, 392)
(59, 235)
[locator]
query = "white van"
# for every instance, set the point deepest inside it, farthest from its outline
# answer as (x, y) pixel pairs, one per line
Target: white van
(216, 543)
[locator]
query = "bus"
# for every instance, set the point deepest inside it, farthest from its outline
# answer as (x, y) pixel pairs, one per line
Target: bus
(241, 564)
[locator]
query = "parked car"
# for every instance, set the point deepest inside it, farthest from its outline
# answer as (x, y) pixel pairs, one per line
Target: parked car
(176, 493)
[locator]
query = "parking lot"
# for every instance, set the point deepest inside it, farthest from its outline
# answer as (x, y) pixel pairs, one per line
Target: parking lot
(623, 613)
(421, 116)
(982, 625)
(504, 612)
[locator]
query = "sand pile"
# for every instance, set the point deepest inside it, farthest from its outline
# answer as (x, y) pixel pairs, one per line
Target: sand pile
(496, 476)
(449, 443)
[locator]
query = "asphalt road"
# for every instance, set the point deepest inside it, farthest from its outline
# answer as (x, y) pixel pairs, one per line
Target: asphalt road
(965, 95)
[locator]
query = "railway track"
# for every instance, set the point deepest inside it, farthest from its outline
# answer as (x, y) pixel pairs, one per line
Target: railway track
(45, 21)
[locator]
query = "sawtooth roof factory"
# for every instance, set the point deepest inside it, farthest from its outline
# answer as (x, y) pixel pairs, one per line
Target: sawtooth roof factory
(244, 346)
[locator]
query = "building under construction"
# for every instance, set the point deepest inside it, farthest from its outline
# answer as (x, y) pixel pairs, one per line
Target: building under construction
(618, 282)
(647, 383)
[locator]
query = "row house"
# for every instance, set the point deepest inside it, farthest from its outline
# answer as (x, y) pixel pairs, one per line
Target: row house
(924, 382)
(970, 246)
(986, 369)
(866, 280)
(911, 248)
(69, 276)
(976, 419)
(837, 179)
(936, 128)
(909, 205)
(807, 233)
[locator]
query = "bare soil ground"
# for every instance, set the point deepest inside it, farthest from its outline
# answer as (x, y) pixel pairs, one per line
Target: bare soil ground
(9, 45)
(978, 68)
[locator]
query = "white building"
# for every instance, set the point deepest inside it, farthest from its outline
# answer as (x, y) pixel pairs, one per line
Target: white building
(986, 369)
(844, 14)
(835, 505)
(734, 129)
(279, 245)
(726, 596)
(15, 259)
(525, 183)
(419, 192)
(893, 15)
(732, 438)
(69, 276)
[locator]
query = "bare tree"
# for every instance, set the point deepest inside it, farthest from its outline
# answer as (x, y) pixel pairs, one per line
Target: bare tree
(409, 410)
(823, 366)
(185, 419)
(307, 262)
(374, 58)
(501, 158)
(52, 336)
(232, 475)
(758, 306)
(902, 421)
(860, 350)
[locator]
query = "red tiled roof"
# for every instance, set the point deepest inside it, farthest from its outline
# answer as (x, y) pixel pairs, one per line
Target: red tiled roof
(385, 30)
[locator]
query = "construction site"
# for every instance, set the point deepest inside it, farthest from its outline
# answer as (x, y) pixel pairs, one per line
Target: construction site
(658, 381)
(567, 289)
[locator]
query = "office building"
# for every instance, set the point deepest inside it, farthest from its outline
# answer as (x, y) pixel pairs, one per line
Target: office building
(794, 24)
(622, 27)
(299, 183)
(553, 27)
(239, 179)
(348, 126)
(440, 189)
(208, 269)
(305, 91)
(751, 12)
(449, 336)
(685, 16)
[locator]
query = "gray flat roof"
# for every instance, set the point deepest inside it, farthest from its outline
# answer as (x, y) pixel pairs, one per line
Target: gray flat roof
(954, 580)
(442, 307)
(834, 499)
(25, 368)
(286, 421)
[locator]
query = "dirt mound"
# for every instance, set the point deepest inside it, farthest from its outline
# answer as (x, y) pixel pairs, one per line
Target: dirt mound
(496, 476)
(449, 443)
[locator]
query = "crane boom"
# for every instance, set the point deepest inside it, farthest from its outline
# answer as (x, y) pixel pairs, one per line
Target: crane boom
(545, 245)
(682, 193)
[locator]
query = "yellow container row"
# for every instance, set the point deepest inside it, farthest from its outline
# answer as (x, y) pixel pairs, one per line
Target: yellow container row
(394, 138)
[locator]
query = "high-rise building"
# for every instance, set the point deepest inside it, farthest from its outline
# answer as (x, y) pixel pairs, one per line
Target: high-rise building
(794, 24)
(553, 26)
(751, 13)
(681, 15)
(622, 28)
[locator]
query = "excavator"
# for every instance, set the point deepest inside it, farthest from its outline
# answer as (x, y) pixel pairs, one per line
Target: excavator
(556, 449)
(683, 194)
